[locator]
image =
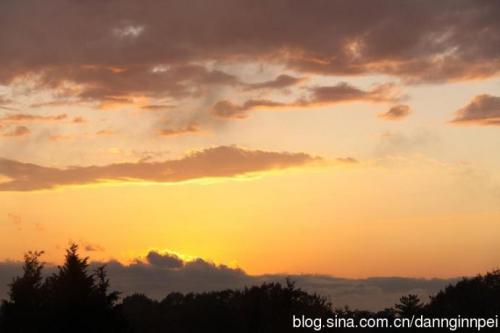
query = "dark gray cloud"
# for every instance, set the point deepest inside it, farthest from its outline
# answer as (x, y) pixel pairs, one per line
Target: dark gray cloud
(482, 110)
(222, 161)
(161, 273)
(166, 260)
(317, 96)
(396, 112)
(115, 48)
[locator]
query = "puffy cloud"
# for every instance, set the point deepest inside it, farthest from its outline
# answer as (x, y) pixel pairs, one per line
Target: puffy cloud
(222, 161)
(318, 96)
(482, 110)
(396, 112)
(161, 273)
(165, 260)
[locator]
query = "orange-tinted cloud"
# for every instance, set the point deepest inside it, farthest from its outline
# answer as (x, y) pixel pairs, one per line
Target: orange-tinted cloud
(30, 118)
(396, 112)
(223, 161)
(18, 131)
(318, 96)
(482, 110)
(191, 128)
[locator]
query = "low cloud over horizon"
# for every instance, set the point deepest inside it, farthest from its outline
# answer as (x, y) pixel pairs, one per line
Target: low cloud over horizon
(160, 273)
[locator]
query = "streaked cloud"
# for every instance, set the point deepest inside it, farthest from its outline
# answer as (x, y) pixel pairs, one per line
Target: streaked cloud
(347, 160)
(191, 128)
(280, 82)
(30, 118)
(317, 96)
(222, 161)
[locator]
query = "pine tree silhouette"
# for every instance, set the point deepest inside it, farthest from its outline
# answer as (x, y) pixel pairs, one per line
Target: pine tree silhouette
(409, 306)
(24, 310)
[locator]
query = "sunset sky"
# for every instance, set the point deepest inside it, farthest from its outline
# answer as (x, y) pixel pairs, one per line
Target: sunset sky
(278, 136)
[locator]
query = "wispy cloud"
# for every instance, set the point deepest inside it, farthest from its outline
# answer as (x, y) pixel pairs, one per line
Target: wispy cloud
(317, 96)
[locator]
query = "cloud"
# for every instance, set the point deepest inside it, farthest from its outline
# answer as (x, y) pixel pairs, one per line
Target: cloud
(222, 161)
(483, 110)
(421, 141)
(281, 82)
(165, 260)
(30, 118)
(160, 273)
(227, 109)
(318, 96)
(4, 103)
(157, 107)
(105, 132)
(18, 131)
(115, 55)
(190, 128)
(78, 120)
(15, 219)
(396, 112)
(92, 247)
(347, 160)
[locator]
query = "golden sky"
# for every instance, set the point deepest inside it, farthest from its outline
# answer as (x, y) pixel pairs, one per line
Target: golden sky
(312, 139)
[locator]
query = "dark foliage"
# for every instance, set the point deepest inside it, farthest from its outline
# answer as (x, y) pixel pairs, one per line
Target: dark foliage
(267, 308)
(75, 300)
(71, 300)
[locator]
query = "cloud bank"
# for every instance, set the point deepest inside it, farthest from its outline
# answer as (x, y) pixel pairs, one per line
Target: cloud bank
(222, 161)
(160, 273)
(159, 48)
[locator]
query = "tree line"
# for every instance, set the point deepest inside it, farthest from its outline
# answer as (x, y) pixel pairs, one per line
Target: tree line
(76, 299)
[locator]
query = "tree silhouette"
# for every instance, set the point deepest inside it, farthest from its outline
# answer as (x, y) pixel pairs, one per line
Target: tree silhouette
(24, 309)
(409, 306)
(71, 300)
(74, 299)
(79, 300)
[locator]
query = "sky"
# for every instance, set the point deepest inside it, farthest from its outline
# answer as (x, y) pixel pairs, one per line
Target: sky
(345, 138)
